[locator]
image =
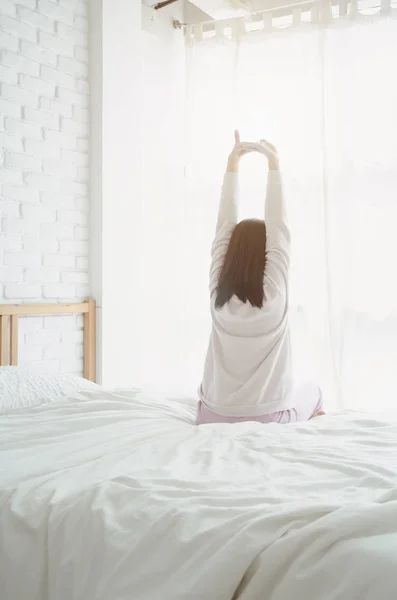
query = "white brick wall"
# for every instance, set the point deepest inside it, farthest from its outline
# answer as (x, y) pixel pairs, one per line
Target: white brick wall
(44, 171)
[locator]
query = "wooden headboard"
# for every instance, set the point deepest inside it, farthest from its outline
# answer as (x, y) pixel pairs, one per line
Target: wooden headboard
(10, 313)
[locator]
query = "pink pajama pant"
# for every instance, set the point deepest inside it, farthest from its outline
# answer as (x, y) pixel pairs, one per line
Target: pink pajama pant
(308, 400)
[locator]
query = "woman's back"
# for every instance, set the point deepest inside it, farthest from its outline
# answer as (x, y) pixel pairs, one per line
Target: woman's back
(247, 372)
(248, 364)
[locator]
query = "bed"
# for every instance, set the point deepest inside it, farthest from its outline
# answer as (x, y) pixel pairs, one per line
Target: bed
(116, 494)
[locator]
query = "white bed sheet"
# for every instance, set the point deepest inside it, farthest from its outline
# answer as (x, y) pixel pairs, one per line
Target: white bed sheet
(120, 496)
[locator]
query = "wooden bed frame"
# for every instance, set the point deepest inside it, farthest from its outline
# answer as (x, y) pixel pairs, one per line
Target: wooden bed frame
(9, 314)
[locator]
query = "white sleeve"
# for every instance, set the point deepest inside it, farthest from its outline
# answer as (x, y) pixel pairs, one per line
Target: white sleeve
(278, 239)
(226, 222)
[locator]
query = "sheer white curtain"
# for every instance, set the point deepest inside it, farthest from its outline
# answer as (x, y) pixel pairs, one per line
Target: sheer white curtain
(327, 97)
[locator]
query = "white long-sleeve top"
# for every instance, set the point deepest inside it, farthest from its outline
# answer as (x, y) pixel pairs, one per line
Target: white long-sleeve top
(247, 370)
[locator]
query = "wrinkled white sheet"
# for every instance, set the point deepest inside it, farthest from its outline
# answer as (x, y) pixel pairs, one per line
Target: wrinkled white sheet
(121, 497)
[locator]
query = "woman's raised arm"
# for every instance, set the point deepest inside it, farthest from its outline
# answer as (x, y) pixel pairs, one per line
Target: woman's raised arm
(227, 213)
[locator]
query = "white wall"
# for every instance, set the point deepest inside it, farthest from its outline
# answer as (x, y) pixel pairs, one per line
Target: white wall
(137, 129)
(163, 202)
(44, 205)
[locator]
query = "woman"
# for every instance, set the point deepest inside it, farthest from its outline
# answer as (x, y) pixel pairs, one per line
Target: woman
(247, 373)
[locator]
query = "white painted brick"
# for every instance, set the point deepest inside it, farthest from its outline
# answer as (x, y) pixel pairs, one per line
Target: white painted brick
(20, 226)
(17, 94)
(41, 55)
(81, 54)
(62, 139)
(79, 7)
(82, 291)
(83, 145)
(20, 64)
(74, 187)
(81, 114)
(11, 243)
(65, 351)
(30, 324)
(23, 161)
(10, 176)
(9, 109)
(82, 262)
(53, 60)
(72, 97)
(11, 142)
(58, 200)
(41, 118)
(36, 19)
(22, 290)
(38, 86)
(69, 4)
(40, 244)
(21, 193)
(17, 28)
(73, 247)
(45, 183)
(72, 217)
(11, 274)
(8, 41)
(58, 108)
(81, 203)
(42, 275)
(22, 259)
(78, 158)
(8, 207)
(43, 149)
(83, 174)
(60, 168)
(74, 127)
(57, 230)
(73, 337)
(8, 75)
(56, 44)
(58, 78)
(73, 67)
(83, 87)
(43, 337)
(81, 23)
(76, 277)
(38, 213)
(62, 261)
(26, 130)
(7, 7)
(28, 3)
(63, 323)
(72, 366)
(56, 12)
(30, 354)
(46, 366)
(55, 291)
(81, 233)
(72, 35)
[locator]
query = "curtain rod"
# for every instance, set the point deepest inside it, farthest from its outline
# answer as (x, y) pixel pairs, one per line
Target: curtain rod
(287, 8)
(163, 4)
(178, 25)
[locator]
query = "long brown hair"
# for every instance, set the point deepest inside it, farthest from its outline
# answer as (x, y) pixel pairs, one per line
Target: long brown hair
(244, 265)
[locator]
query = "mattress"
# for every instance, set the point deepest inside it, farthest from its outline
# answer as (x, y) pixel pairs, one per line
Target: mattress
(118, 495)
